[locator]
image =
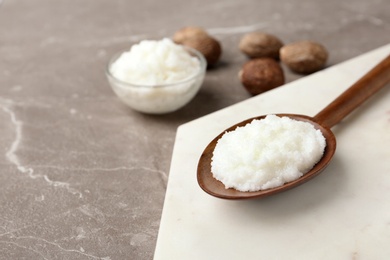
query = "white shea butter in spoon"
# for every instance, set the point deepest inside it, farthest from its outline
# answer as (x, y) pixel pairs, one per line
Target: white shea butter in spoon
(266, 153)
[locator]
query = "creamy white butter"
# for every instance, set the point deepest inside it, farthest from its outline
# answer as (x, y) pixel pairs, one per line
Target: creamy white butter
(153, 63)
(266, 153)
(157, 76)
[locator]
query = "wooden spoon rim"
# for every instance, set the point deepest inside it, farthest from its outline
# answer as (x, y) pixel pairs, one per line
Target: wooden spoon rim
(216, 188)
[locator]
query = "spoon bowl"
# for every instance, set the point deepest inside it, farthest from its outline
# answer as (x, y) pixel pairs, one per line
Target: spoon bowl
(216, 188)
(353, 97)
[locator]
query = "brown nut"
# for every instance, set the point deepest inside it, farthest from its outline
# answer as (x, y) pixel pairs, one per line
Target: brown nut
(188, 32)
(260, 75)
(304, 57)
(258, 45)
(207, 45)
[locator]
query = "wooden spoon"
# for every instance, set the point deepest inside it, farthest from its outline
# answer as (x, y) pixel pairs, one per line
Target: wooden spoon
(353, 97)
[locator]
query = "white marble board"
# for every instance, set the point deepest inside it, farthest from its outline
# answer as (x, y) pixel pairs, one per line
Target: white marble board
(344, 213)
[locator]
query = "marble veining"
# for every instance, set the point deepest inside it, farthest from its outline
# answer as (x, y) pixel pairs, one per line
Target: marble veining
(13, 158)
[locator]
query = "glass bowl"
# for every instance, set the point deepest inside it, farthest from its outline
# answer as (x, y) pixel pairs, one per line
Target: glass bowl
(161, 98)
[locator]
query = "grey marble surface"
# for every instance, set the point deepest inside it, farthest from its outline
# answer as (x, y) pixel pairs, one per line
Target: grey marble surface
(81, 175)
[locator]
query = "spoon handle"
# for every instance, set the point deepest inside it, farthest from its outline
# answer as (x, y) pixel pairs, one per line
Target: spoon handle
(354, 96)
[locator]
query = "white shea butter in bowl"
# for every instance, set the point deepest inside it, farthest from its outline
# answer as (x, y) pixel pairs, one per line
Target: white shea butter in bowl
(266, 153)
(156, 77)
